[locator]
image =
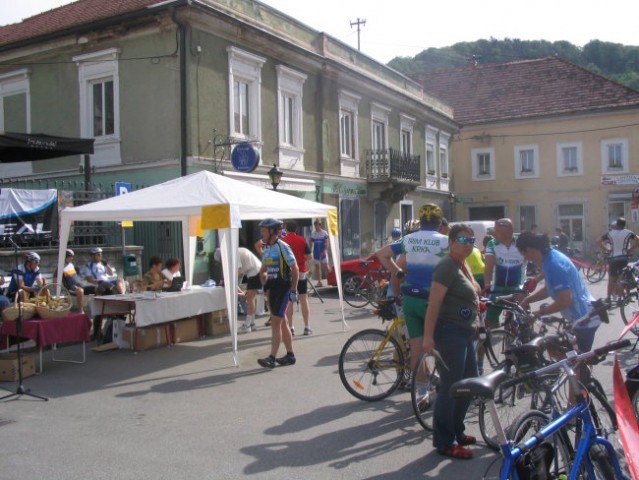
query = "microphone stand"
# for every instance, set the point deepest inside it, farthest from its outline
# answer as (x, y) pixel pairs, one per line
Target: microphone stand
(21, 390)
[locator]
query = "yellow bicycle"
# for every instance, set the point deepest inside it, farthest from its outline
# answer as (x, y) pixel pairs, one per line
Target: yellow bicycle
(375, 362)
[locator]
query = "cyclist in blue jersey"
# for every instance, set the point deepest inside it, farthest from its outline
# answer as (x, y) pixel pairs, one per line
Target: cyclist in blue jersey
(279, 275)
(505, 270)
(563, 284)
(421, 250)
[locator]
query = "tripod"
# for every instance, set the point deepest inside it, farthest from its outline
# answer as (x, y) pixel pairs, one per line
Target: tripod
(21, 390)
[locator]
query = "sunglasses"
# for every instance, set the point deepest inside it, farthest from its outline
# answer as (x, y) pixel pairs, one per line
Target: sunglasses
(466, 240)
(502, 223)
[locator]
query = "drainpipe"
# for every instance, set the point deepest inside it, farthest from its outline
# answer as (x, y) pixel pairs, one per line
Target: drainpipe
(183, 94)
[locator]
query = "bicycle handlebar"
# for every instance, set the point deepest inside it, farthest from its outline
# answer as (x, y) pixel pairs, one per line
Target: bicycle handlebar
(569, 361)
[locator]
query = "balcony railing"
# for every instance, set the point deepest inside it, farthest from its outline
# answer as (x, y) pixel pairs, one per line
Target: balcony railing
(391, 164)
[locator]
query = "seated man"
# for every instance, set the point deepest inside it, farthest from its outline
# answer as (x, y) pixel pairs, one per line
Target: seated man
(100, 273)
(27, 276)
(74, 282)
(153, 279)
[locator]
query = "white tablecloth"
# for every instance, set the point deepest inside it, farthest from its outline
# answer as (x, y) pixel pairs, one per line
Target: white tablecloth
(165, 307)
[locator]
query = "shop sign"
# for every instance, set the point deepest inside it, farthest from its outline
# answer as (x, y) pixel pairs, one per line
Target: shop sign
(620, 180)
(245, 157)
(337, 188)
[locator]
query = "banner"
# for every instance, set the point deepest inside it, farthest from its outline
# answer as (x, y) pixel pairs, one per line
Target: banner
(27, 213)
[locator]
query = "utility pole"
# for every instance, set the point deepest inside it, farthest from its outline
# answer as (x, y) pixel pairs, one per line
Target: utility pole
(358, 22)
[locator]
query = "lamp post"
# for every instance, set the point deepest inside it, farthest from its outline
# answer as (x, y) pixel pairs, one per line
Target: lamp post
(451, 204)
(275, 174)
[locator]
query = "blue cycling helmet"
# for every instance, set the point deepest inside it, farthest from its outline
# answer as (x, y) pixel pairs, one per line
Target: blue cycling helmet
(396, 233)
(273, 223)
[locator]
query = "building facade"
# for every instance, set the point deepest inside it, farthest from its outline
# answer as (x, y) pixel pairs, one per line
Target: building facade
(544, 142)
(169, 88)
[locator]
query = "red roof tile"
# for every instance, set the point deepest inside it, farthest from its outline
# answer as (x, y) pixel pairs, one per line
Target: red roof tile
(524, 89)
(68, 16)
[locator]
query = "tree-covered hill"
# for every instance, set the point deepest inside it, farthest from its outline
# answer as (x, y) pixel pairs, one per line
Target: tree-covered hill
(612, 60)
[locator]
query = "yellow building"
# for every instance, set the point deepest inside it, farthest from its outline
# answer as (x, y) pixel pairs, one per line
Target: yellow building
(543, 142)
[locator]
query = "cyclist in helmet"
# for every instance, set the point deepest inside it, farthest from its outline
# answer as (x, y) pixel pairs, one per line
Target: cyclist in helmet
(100, 274)
(419, 253)
(396, 234)
(27, 276)
(74, 282)
(279, 275)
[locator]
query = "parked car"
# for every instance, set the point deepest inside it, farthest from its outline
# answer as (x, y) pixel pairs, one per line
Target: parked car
(357, 268)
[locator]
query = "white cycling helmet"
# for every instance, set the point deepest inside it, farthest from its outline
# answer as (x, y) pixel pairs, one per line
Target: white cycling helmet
(95, 250)
(32, 257)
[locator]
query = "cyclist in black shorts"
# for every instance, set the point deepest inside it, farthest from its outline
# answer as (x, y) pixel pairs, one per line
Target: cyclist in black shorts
(621, 242)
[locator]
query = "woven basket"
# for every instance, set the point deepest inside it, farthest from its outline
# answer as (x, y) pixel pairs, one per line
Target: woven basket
(13, 311)
(51, 305)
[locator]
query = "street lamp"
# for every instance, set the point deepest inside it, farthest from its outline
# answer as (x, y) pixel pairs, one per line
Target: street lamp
(451, 203)
(275, 174)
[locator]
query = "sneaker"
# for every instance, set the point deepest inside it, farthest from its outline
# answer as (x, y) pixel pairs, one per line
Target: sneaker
(245, 329)
(308, 331)
(286, 360)
(268, 362)
(253, 325)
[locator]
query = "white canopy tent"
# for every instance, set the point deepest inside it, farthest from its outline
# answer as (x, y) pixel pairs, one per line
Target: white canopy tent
(205, 201)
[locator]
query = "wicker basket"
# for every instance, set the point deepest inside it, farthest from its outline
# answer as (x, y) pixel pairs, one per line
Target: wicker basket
(50, 304)
(13, 311)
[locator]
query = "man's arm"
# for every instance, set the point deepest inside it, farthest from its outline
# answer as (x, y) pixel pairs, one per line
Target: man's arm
(489, 266)
(385, 256)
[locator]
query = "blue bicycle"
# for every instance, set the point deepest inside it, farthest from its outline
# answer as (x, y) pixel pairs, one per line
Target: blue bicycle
(539, 447)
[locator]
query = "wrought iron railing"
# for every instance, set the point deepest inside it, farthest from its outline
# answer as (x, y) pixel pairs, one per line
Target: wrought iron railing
(391, 164)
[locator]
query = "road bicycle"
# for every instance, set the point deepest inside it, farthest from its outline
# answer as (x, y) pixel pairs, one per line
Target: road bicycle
(360, 290)
(596, 271)
(373, 363)
(628, 287)
(528, 449)
(512, 401)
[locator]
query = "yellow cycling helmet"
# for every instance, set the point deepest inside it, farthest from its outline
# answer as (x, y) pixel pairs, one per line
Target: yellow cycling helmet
(430, 212)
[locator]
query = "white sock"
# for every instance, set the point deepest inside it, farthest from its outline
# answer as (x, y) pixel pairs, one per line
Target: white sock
(249, 319)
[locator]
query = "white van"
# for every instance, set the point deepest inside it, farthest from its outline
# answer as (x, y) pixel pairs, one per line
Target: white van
(481, 229)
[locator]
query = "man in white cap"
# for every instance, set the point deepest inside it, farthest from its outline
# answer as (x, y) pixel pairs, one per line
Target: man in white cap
(247, 265)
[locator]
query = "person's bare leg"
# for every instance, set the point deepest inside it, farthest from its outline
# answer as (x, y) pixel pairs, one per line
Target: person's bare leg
(305, 307)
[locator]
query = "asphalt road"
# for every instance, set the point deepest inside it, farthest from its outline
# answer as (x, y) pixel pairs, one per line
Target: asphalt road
(185, 412)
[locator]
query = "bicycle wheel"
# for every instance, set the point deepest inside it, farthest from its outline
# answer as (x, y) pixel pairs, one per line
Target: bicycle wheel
(497, 340)
(596, 272)
(511, 403)
(629, 307)
(424, 390)
(528, 424)
(371, 365)
(354, 294)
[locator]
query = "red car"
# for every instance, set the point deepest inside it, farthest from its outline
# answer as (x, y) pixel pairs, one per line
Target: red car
(356, 269)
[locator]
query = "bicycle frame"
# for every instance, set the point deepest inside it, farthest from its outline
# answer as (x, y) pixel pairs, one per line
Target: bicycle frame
(587, 440)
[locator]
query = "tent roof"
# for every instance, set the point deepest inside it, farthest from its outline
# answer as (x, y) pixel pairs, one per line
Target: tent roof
(185, 196)
(22, 147)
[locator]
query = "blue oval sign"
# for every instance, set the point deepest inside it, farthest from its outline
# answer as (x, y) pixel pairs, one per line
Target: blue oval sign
(245, 157)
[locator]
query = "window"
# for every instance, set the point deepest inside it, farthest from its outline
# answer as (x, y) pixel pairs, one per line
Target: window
(569, 159)
(349, 227)
(291, 141)
(379, 119)
(443, 154)
(614, 155)
(348, 138)
(245, 78)
(527, 216)
(526, 161)
(99, 104)
(431, 140)
(15, 114)
(406, 125)
(483, 163)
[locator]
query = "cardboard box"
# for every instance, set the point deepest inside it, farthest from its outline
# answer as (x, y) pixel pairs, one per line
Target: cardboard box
(146, 338)
(186, 330)
(216, 323)
(9, 366)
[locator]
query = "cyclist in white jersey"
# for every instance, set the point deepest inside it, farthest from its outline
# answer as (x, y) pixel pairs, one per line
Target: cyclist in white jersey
(422, 251)
(505, 266)
(620, 242)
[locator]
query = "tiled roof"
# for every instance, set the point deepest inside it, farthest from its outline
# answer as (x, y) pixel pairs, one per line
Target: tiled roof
(69, 16)
(524, 89)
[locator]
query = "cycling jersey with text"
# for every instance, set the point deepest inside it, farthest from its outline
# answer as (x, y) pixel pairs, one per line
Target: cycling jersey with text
(424, 249)
(510, 265)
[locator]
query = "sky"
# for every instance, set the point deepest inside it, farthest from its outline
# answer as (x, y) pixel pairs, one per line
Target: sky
(406, 27)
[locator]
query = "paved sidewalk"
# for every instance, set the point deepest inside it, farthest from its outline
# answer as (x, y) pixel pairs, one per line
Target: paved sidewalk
(185, 412)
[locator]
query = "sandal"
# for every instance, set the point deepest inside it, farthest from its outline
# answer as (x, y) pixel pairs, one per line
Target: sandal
(456, 451)
(466, 440)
